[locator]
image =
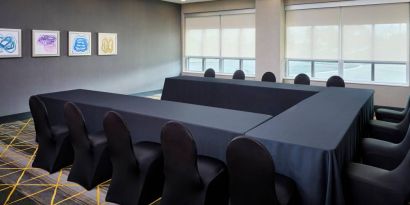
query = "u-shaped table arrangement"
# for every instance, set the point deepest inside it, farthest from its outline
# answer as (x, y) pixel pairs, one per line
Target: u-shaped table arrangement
(311, 132)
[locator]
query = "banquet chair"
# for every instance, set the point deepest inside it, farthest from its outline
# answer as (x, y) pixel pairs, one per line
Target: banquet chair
(190, 179)
(390, 115)
(54, 150)
(250, 168)
(385, 155)
(209, 73)
(371, 185)
(91, 165)
(238, 75)
(389, 131)
(335, 81)
(269, 77)
(137, 168)
(302, 79)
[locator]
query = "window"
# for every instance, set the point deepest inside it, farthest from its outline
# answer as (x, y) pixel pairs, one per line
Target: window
(299, 67)
(390, 73)
(325, 70)
(195, 64)
(361, 72)
(225, 43)
(360, 43)
(212, 63)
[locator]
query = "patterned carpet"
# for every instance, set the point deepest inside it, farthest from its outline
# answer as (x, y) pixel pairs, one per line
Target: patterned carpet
(22, 184)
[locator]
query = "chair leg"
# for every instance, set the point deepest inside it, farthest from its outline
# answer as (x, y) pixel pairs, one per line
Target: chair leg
(154, 183)
(217, 193)
(65, 156)
(103, 170)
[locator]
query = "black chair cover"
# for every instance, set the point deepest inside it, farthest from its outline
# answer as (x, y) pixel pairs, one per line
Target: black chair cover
(335, 81)
(209, 73)
(269, 77)
(388, 131)
(252, 180)
(371, 185)
(302, 79)
(385, 155)
(137, 168)
(54, 150)
(238, 75)
(92, 165)
(189, 179)
(386, 114)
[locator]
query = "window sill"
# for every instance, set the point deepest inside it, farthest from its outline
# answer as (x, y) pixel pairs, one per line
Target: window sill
(358, 83)
(223, 75)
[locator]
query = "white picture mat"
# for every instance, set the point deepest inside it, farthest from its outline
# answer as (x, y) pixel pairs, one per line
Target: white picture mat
(107, 44)
(72, 40)
(50, 46)
(10, 43)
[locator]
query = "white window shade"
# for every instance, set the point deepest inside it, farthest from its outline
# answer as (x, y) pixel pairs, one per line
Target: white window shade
(202, 36)
(238, 36)
(376, 32)
(313, 34)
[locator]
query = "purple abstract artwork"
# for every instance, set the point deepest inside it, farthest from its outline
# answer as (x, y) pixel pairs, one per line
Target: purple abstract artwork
(48, 41)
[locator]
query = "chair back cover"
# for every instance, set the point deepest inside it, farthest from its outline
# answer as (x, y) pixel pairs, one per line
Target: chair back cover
(302, 79)
(238, 75)
(269, 77)
(182, 179)
(119, 142)
(40, 118)
(209, 73)
(252, 173)
(335, 81)
(75, 123)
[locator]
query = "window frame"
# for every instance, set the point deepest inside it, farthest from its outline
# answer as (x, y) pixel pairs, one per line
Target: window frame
(221, 63)
(341, 69)
(185, 58)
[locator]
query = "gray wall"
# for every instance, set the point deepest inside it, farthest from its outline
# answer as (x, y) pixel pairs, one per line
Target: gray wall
(149, 48)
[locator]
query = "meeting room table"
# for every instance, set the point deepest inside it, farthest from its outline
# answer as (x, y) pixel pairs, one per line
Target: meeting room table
(315, 131)
(311, 132)
(212, 128)
(246, 95)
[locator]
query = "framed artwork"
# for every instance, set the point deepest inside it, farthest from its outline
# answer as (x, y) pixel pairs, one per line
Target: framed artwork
(107, 44)
(10, 43)
(79, 43)
(46, 43)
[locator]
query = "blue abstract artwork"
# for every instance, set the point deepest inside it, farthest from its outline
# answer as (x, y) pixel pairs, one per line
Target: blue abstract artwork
(10, 43)
(79, 43)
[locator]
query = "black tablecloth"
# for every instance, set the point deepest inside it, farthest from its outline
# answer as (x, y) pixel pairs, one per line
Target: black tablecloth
(312, 141)
(212, 128)
(252, 96)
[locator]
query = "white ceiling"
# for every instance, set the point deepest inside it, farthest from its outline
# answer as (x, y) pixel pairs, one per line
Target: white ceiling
(186, 1)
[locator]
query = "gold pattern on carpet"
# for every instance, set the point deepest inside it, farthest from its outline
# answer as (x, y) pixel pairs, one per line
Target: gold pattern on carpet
(22, 184)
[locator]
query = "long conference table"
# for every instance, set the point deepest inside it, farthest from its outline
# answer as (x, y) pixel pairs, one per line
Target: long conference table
(311, 132)
(212, 128)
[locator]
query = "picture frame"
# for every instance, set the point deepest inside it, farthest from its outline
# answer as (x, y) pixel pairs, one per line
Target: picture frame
(107, 44)
(10, 43)
(79, 43)
(45, 43)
